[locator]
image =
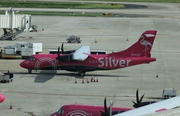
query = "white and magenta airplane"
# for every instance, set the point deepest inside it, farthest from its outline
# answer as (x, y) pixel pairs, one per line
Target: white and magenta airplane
(88, 110)
(82, 60)
(141, 108)
(94, 110)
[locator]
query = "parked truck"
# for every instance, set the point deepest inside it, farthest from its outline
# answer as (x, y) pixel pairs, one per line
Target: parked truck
(21, 49)
(31, 49)
(19, 45)
(9, 52)
(168, 92)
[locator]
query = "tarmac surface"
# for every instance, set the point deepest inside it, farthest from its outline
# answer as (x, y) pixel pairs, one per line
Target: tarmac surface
(44, 92)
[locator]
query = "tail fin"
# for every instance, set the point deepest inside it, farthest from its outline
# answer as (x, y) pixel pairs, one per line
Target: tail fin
(143, 46)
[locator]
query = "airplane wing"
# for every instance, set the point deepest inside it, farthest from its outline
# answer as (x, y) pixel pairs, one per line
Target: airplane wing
(152, 108)
(81, 53)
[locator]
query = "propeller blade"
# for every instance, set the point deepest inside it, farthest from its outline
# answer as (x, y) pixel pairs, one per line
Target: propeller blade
(135, 104)
(141, 98)
(62, 48)
(137, 96)
(138, 101)
(105, 109)
(102, 113)
(58, 55)
(110, 107)
(105, 106)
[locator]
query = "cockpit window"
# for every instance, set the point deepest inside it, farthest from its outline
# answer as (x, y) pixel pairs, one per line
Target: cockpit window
(31, 58)
(61, 111)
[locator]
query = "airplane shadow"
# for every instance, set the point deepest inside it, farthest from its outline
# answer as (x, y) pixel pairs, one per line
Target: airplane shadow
(155, 98)
(45, 75)
(40, 77)
(75, 75)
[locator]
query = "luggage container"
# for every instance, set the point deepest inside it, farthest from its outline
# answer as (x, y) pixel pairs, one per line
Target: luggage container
(6, 77)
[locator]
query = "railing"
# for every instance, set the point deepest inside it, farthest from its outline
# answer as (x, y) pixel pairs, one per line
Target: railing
(11, 36)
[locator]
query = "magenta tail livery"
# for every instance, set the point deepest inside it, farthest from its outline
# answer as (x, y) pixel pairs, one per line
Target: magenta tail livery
(143, 46)
(82, 60)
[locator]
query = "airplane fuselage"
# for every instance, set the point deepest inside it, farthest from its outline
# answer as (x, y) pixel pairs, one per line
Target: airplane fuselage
(93, 62)
(85, 110)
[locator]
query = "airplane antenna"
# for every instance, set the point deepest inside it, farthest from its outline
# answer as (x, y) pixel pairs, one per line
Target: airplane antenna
(110, 112)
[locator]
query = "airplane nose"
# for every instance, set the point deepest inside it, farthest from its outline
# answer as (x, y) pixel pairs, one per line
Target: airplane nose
(2, 98)
(26, 64)
(22, 64)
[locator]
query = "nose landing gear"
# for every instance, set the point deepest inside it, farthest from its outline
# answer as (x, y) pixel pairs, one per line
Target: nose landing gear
(29, 70)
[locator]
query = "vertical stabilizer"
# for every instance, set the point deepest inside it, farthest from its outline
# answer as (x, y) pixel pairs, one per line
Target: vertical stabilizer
(143, 46)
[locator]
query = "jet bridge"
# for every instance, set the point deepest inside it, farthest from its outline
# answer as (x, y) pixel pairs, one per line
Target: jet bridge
(14, 24)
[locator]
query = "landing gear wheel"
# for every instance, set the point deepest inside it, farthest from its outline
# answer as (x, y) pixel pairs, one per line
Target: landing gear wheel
(81, 73)
(29, 71)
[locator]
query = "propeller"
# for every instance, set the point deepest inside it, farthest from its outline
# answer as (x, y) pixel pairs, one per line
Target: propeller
(62, 51)
(139, 102)
(106, 110)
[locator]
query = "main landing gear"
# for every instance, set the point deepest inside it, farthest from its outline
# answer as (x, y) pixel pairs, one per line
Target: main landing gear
(29, 70)
(81, 73)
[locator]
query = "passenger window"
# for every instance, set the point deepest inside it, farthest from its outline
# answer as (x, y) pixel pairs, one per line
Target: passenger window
(31, 58)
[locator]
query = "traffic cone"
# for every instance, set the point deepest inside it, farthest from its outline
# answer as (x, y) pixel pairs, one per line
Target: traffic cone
(92, 79)
(156, 75)
(82, 81)
(75, 81)
(97, 80)
(10, 106)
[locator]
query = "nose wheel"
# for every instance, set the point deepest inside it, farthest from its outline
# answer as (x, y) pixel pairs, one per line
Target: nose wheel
(29, 71)
(81, 73)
